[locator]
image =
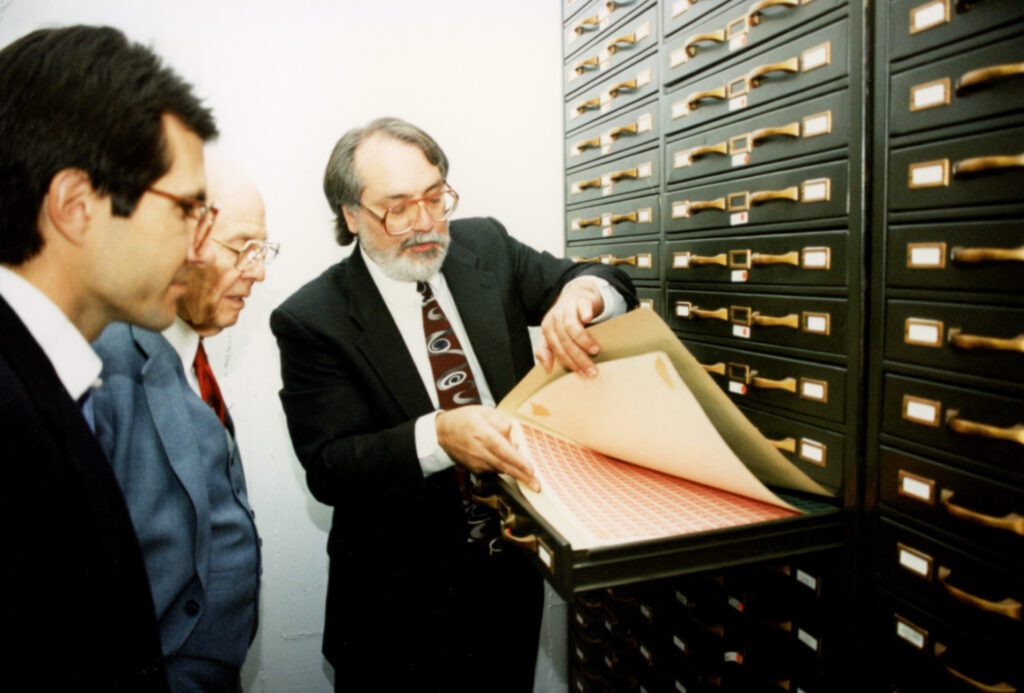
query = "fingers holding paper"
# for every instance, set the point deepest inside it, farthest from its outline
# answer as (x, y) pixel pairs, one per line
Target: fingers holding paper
(564, 337)
(480, 439)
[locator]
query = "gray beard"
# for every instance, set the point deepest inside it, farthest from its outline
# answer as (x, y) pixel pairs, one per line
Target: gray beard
(404, 268)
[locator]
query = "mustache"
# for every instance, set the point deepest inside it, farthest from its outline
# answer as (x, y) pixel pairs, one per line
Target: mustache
(431, 237)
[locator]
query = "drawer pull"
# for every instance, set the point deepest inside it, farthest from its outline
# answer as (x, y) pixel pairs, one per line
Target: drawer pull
(706, 314)
(981, 164)
(791, 130)
(979, 255)
(588, 105)
(787, 384)
(629, 173)
(1008, 607)
(1001, 687)
(970, 341)
(791, 258)
(759, 73)
(586, 260)
(621, 42)
(584, 223)
(587, 184)
(786, 444)
(588, 24)
(529, 541)
(643, 260)
(693, 100)
(614, 90)
(587, 64)
(584, 145)
(792, 320)
(754, 13)
(616, 133)
(716, 368)
(1014, 434)
(791, 194)
(622, 218)
(970, 81)
(1013, 522)
(698, 152)
(721, 260)
(714, 37)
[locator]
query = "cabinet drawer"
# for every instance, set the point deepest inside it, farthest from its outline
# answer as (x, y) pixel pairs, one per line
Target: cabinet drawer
(806, 128)
(805, 193)
(634, 173)
(766, 79)
(785, 259)
(728, 34)
(596, 23)
(922, 653)
(621, 89)
(776, 382)
(968, 171)
(638, 260)
(639, 216)
(634, 128)
(918, 25)
(976, 425)
(967, 589)
(620, 45)
(975, 84)
(967, 339)
(972, 507)
(983, 256)
(651, 299)
(675, 14)
(816, 451)
(816, 324)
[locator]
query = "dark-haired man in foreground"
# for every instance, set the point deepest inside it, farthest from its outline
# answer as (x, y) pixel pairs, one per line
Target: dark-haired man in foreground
(102, 207)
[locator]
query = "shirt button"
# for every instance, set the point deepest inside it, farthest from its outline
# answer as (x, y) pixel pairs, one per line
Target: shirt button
(191, 607)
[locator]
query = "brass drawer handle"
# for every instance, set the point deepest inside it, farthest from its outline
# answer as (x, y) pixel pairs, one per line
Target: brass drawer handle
(530, 541)
(584, 223)
(790, 194)
(719, 314)
(1013, 522)
(584, 145)
(1009, 607)
(614, 90)
(754, 13)
(714, 37)
(1014, 434)
(791, 258)
(616, 261)
(704, 205)
(587, 64)
(629, 173)
(621, 218)
(787, 384)
(940, 650)
(786, 444)
(970, 81)
(587, 184)
(759, 73)
(978, 255)
(981, 164)
(586, 260)
(791, 130)
(721, 260)
(620, 42)
(588, 105)
(631, 129)
(588, 24)
(698, 152)
(715, 368)
(792, 320)
(970, 341)
(693, 100)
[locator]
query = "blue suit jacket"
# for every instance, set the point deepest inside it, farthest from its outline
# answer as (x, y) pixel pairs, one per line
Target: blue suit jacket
(145, 421)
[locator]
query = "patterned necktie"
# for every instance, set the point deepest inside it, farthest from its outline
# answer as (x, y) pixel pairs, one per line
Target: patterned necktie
(209, 390)
(456, 387)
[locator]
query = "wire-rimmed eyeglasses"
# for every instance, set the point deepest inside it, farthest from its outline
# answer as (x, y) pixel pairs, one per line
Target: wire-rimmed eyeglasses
(252, 252)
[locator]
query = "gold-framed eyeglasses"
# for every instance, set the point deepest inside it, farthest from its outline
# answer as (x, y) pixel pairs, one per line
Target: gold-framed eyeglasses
(252, 252)
(202, 212)
(399, 220)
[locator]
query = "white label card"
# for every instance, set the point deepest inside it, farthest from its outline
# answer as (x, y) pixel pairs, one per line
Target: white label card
(807, 579)
(739, 276)
(738, 218)
(644, 122)
(677, 57)
(544, 555)
(928, 176)
(738, 102)
(816, 192)
(817, 324)
(683, 310)
(928, 15)
(807, 639)
(741, 331)
(681, 159)
(926, 333)
(815, 259)
(681, 210)
(812, 450)
(910, 634)
(644, 216)
(679, 7)
(812, 389)
(916, 488)
(740, 159)
(643, 261)
(739, 41)
(925, 256)
(928, 95)
(680, 260)
(679, 109)
(915, 563)
(815, 57)
(678, 643)
(737, 388)
(818, 124)
(645, 170)
(925, 412)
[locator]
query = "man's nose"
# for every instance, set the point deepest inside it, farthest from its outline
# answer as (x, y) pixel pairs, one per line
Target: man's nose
(257, 271)
(424, 222)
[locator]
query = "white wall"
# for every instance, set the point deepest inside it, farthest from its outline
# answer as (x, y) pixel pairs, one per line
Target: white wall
(285, 80)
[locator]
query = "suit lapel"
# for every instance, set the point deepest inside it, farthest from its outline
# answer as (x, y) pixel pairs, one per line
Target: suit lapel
(164, 383)
(381, 343)
(476, 295)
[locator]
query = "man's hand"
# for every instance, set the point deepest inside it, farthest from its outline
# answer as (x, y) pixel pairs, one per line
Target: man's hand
(479, 439)
(564, 338)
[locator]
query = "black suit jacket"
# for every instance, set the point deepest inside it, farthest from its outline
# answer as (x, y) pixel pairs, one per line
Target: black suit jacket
(352, 394)
(76, 605)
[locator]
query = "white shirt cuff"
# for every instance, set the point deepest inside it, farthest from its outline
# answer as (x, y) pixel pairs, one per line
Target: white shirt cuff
(614, 303)
(432, 456)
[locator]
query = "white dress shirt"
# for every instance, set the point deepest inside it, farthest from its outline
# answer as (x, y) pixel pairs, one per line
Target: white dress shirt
(77, 365)
(185, 342)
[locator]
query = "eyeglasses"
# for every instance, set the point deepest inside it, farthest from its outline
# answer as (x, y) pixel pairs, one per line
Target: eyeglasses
(252, 252)
(205, 214)
(399, 220)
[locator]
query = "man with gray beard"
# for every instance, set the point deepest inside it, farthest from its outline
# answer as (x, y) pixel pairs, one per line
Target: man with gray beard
(392, 361)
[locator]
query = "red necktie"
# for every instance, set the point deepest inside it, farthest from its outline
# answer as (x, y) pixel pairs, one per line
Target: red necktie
(208, 388)
(456, 387)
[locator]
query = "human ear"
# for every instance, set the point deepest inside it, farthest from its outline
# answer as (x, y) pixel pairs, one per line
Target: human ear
(350, 220)
(69, 204)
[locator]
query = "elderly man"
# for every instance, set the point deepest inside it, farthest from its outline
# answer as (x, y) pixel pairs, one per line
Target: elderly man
(102, 190)
(392, 361)
(164, 425)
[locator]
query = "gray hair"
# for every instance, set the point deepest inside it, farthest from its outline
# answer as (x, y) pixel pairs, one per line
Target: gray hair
(342, 185)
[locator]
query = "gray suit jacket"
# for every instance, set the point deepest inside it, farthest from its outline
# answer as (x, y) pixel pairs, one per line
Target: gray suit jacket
(152, 427)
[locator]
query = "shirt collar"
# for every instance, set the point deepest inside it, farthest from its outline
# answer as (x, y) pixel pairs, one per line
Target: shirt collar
(184, 340)
(76, 364)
